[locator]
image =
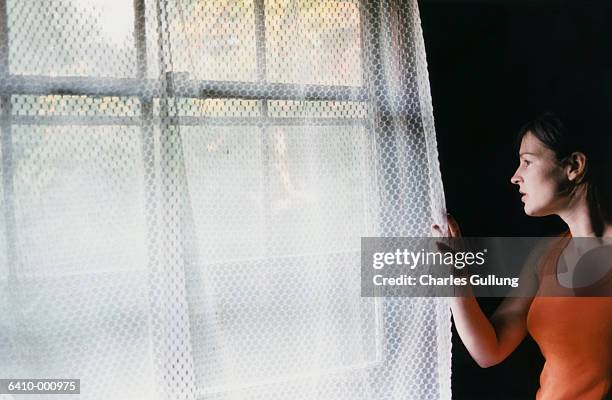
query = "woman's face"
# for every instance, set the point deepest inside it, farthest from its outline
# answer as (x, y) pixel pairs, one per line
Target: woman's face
(542, 181)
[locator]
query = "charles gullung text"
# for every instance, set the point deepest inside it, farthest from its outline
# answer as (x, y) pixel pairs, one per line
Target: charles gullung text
(410, 261)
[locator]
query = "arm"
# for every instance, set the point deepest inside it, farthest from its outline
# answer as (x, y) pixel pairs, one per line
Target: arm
(489, 342)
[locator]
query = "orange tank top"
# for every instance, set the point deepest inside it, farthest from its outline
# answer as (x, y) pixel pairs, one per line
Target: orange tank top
(574, 335)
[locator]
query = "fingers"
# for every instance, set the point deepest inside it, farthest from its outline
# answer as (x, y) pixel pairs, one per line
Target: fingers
(453, 228)
(436, 231)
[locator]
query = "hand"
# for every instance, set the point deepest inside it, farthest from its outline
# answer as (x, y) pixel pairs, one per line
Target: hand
(453, 228)
(452, 241)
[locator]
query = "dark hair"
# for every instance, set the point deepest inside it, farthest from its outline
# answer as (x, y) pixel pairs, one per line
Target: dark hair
(586, 133)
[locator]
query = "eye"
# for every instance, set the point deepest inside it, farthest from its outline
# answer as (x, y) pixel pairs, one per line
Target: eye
(526, 163)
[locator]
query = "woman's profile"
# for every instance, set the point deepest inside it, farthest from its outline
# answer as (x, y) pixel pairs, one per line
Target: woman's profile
(562, 171)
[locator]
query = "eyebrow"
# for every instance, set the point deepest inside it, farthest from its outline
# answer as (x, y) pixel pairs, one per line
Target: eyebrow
(527, 153)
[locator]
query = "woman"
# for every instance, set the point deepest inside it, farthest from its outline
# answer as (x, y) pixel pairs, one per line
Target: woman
(564, 173)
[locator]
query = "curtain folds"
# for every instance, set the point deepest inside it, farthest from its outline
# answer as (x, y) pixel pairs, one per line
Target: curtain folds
(184, 188)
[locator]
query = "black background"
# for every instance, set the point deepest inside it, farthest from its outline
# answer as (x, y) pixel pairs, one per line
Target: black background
(493, 65)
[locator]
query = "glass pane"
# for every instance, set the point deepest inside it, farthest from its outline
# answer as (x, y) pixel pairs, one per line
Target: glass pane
(80, 301)
(283, 321)
(79, 189)
(71, 37)
(225, 176)
(278, 213)
(319, 182)
(313, 42)
(214, 39)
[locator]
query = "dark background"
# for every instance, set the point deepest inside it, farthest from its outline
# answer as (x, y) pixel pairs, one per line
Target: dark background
(493, 65)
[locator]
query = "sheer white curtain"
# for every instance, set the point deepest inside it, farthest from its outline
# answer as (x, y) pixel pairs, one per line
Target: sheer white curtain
(184, 188)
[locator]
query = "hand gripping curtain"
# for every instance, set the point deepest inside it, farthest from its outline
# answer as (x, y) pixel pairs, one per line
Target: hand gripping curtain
(184, 186)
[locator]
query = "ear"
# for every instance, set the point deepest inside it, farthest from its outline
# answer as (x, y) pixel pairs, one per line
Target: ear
(576, 167)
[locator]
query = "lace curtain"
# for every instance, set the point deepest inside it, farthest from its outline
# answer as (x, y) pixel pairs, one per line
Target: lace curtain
(184, 186)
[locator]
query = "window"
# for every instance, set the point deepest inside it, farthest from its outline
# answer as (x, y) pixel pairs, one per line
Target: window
(275, 154)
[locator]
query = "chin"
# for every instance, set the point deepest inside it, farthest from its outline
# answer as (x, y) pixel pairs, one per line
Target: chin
(536, 212)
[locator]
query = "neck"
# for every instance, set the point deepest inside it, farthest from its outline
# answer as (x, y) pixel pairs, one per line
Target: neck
(577, 216)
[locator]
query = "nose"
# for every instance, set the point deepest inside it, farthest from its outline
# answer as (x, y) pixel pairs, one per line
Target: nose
(516, 178)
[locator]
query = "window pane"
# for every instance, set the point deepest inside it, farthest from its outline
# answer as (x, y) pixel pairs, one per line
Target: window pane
(313, 42)
(79, 190)
(319, 182)
(71, 37)
(214, 39)
(225, 177)
(282, 320)
(278, 221)
(312, 179)
(278, 212)
(81, 292)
